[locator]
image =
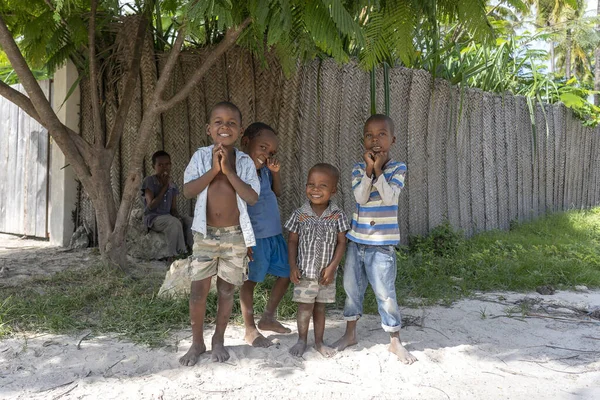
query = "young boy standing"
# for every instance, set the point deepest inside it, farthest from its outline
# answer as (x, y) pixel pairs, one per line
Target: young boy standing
(371, 255)
(159, 195)
(317, 242)
(224, 181)
(270, 253)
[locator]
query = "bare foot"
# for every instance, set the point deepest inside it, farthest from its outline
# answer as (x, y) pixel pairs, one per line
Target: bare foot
(255, 339)
(191, 357)
(219, 354)
(298, 349)
(344, 341)
(326, 351)
(272, 325)
(399, 350)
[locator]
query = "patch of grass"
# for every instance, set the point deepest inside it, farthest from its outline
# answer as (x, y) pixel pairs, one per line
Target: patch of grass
(101, 299)
(562, 250)
(104, 299)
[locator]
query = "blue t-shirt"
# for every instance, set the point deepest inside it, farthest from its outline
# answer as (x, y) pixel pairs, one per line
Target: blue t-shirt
(264, 215)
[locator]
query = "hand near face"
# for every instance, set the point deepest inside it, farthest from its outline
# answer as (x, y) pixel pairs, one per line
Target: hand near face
(224, 161)
(216, 160)
(164, 179)
(273, 165)
(380, 159)
(369, 157)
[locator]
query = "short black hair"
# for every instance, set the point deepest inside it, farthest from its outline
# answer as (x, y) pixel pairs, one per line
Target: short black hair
(160, 153)
(328, 169)
(225, 104)
(254, 128)
(381, 117)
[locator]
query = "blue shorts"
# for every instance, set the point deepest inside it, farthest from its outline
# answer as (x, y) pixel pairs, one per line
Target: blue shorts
(270, 257)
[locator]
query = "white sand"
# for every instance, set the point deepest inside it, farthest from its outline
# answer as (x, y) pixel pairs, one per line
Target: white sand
(469, 358)
(472, 350)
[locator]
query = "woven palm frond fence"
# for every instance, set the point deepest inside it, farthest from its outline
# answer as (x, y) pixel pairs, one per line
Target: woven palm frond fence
(473, 158)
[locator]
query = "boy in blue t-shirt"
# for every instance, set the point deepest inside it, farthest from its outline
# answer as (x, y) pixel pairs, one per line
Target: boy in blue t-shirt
(270, 255)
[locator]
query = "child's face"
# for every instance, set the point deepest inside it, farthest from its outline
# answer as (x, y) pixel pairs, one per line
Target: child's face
(378, 136)
(162, 166)
(320, 186)
(261, 147)
(224, 126)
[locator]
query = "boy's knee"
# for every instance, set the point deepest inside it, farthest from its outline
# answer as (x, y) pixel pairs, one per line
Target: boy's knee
(225, 289)
(198, 292)
(176, 223)
(196, 297)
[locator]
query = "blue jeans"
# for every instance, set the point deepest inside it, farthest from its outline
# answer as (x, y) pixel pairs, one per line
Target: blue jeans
(375, 265)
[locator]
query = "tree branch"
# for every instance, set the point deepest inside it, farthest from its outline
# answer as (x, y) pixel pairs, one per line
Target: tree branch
(41, 104)
(18, 98)
(96, 116)
(153, 111)
(129, 90)
(167, 71)
(228, 41)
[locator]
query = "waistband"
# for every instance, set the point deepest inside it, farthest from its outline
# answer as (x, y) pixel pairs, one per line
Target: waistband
(211, 230)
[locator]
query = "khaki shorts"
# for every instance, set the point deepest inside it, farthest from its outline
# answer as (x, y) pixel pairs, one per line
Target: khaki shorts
(222, 252)
(311, 291)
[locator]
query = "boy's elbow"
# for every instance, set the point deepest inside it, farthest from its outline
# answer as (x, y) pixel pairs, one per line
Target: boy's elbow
(391, 202)
(187, 193)
(360, 200)
(253, 199)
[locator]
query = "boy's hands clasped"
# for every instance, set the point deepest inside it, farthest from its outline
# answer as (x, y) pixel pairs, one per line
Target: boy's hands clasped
(380, 159)
(369, 158)
(220, 161)
(216, 157)
(374, 162)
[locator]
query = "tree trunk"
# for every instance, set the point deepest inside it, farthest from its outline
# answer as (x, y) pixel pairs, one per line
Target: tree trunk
(92, 163)
(568, 45)
(597, 62)
(115, 247)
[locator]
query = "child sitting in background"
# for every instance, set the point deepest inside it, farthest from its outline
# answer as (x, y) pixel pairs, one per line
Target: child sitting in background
(159, 195)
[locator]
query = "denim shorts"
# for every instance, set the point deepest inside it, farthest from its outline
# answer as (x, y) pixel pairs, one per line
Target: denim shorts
(375, 265)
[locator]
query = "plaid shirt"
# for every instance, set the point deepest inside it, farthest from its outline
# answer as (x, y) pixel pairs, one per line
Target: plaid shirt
(317, 236)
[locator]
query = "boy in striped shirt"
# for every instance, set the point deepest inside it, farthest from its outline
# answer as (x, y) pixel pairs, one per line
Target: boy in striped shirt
(373, 235)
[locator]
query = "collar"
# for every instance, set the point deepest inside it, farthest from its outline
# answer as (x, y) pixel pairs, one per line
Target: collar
(331, 208)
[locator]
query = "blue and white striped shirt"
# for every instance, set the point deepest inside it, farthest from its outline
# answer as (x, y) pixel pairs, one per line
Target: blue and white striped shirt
(375, 221)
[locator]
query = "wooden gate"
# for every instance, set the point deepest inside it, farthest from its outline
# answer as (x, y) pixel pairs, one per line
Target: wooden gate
(24, 161)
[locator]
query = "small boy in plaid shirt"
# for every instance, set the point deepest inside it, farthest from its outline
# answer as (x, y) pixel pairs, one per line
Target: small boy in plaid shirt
(316, 244)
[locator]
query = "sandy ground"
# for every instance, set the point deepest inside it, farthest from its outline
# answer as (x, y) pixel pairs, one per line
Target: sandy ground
(478, 348)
